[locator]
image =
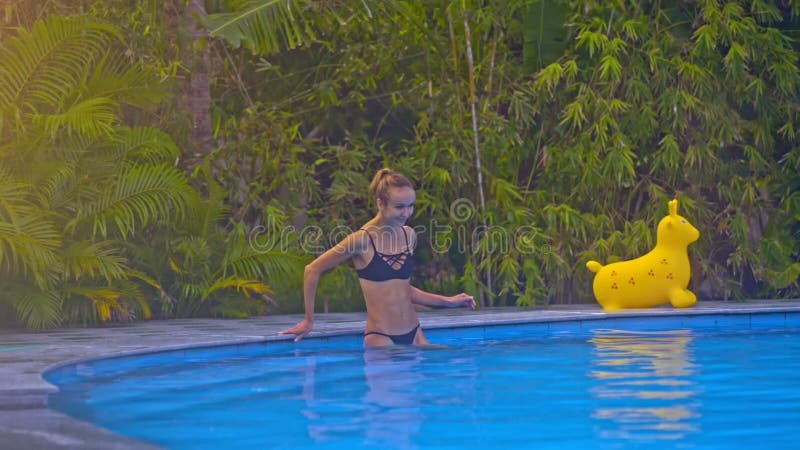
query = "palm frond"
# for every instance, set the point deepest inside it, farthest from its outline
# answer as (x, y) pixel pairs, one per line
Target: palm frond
(121, 301)
(207, 213)
(38, 309)
(41, 67)
(116, 78)
(134, 300)
(242, 285)
(28, 247)
(144, 144)
(264, 26)
(143, 195)
(269, 265)
(15, 197)
(28, 237)
(175, 268)
(86, 259)
(197, 255)
(189, 293)
(104, 299)
(245, 259)
(141, 276)
(92, 118)
(55, 181)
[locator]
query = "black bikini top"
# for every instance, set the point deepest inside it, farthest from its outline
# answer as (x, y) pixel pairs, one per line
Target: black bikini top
(384, 266)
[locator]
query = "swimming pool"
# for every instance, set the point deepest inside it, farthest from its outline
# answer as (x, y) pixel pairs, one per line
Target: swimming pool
(716, 381)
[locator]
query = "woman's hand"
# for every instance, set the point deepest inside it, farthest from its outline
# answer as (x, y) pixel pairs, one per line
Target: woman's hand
(459, 300)
(300, 330)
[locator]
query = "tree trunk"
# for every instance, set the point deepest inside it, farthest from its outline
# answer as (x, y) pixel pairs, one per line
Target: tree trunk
(194, 88)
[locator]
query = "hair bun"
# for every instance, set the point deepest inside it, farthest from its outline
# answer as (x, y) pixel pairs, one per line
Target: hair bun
(385, 179)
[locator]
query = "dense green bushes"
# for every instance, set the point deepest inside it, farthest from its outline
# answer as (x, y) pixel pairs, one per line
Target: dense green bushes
(584, 130)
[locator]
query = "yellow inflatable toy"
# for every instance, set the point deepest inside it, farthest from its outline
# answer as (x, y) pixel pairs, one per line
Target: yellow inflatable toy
(658, 277)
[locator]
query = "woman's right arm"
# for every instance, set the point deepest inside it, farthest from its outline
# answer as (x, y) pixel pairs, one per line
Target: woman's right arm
(341, 252)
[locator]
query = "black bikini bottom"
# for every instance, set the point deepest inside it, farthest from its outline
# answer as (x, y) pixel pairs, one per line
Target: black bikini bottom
(398, 339)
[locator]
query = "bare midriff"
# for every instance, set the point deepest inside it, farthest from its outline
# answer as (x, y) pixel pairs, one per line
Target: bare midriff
(389, 307)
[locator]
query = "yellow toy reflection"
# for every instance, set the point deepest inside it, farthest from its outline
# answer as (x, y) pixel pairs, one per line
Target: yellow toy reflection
(644, 385)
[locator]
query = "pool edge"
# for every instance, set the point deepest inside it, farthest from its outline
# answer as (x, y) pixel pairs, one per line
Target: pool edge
(580, 317)
(28, 399)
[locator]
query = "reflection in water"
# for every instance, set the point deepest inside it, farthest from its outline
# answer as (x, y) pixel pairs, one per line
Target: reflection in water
(643, 384)
(309, 368)
(393, 403)
(382, 397)
(384, 410)
(328, 394)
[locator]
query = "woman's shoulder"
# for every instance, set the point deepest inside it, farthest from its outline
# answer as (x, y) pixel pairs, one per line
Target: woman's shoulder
(356, 242)
(361, 234)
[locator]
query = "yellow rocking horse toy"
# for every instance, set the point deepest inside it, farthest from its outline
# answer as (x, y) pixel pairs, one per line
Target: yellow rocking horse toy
(661, 276)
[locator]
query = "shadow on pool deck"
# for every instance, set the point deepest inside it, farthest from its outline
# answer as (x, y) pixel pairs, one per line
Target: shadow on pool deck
(26, 422)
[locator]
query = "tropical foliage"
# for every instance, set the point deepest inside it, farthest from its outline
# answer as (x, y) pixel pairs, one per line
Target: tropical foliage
(585, 130)
(541, 134)
(82, 192)
(74, 178)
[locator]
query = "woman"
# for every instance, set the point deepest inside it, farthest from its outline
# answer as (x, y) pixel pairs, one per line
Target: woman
(381, 252)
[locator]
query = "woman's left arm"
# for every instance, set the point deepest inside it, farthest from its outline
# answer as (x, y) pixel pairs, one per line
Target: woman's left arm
(420, 297)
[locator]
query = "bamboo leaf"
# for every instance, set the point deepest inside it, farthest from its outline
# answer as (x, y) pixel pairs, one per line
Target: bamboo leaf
(593, 41)
(548, 78)
(573, 115)
(705, 37)
(610, 68)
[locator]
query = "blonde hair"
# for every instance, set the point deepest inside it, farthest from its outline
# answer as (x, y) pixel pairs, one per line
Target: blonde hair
(386, 179)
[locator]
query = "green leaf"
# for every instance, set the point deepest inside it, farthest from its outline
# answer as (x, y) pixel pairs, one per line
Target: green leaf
(573, 115)
(735, 61)
(705, 37)
(114, 77)
(244, 286)
(593, 41)
(264, 26)
(86, 259)
(545, 37)
(143, 195)
(144, 144)
(548, 78)
(785, 278)
(91, 118)
(610, 68)
(29, 238)
(41, 68)
(38, 309)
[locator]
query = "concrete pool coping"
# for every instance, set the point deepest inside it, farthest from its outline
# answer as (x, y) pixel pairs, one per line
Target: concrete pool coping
(26, 422)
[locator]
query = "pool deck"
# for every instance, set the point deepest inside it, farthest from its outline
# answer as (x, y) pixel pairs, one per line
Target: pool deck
(27, 423)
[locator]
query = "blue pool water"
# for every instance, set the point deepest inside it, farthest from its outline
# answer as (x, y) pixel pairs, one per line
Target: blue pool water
(722, 381)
